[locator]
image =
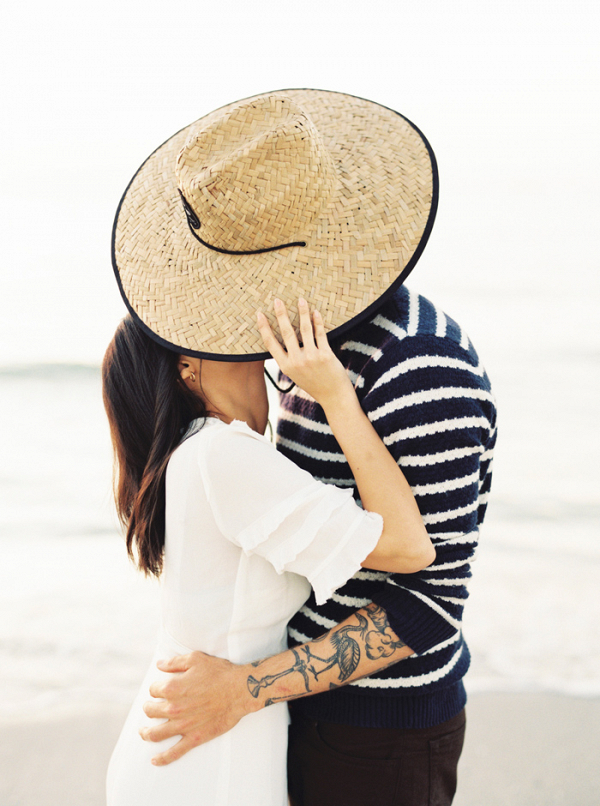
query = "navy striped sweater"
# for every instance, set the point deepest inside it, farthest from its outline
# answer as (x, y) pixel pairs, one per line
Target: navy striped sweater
(422, 386)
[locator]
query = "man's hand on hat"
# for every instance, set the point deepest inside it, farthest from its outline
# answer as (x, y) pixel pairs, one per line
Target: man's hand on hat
(311, 364)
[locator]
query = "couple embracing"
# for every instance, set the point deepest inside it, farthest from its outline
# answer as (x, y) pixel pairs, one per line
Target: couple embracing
(312, 595)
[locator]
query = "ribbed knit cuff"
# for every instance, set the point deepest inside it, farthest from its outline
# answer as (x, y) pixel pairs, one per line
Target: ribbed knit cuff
(352, 706)
(412, 619)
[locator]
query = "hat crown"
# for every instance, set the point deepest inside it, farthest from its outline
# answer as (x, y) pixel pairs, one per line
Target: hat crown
(257, 176)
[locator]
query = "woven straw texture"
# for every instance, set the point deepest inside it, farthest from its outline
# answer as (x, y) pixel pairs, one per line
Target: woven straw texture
(352, 180)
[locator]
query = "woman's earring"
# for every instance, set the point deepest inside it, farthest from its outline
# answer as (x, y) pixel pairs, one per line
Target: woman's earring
(193, 377)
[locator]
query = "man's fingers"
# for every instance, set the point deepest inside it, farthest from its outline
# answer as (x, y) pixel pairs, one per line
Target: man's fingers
(288, 333)
(158, 689)
(269, 340)
(156, 733)
(177, 751)
(180, 663)
(320, 335)
(157, 709)
(306, 328)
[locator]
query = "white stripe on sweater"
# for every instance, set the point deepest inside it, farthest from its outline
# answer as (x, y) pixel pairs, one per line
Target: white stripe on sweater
(450, 514)
(453, 539)
(410, 682)
(372, 576)
(464, 339)
(413, 314)
(407, 433)
(305, 422)
(301, 638)
(451, 599)
(429, 396)
(321, 456)
(386, 324)
(424, 362)
(486, 477)
(317, 618)
(443, 456)
(446, 566)
(349, 601)
(447, 581)
(298, 636)
(440, 323)
(442, 645)
(437, 427)
(338, 482)
(418, 489)
(366, 349)
(357, 380)
(446, 535)
(299, 393)
(430, 602)
(446, 486)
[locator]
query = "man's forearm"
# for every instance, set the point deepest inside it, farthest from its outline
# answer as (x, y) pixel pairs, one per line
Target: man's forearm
(358, 647)
(207, 696)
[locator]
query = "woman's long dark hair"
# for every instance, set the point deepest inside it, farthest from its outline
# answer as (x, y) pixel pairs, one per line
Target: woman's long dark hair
(149, 408)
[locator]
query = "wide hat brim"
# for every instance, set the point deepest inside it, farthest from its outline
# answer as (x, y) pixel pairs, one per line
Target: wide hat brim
(203, 303)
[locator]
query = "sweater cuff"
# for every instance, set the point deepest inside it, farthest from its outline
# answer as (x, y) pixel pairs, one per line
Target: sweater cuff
(412, 619)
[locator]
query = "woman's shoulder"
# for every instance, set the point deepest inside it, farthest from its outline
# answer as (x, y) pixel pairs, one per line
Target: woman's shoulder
(233, 456)
(217, 447)
(213, 435)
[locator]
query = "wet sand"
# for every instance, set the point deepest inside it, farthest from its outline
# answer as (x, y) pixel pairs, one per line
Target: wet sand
(521, 750)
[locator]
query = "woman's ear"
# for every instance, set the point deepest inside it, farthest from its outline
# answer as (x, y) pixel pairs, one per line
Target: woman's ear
(183, 368)
(186, 370)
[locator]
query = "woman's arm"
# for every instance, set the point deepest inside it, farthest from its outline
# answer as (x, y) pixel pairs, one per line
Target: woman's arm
(404, 546)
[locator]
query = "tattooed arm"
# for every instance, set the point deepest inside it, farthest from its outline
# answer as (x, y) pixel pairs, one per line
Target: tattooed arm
(207, 696)
(358, 647)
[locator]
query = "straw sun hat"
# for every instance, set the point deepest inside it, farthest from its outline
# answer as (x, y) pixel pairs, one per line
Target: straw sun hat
(287, 194)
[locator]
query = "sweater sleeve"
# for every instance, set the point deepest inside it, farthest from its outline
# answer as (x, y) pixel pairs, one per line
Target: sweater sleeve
(434, 409)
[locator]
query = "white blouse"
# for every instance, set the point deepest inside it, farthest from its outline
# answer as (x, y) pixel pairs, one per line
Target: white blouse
(247, 535)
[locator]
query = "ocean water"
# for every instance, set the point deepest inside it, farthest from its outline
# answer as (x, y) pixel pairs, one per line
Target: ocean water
(78, 622)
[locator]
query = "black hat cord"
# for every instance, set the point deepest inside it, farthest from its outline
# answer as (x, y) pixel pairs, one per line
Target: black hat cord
(276, 385)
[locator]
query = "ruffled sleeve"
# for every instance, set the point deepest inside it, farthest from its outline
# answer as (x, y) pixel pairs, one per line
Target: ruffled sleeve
(266, 505)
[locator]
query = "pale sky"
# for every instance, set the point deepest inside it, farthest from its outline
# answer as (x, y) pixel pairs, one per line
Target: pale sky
(506, 93)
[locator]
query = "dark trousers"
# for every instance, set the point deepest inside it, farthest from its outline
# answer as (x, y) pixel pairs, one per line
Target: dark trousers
(340, 765)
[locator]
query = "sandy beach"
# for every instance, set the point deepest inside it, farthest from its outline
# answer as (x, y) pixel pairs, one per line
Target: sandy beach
(521, 750)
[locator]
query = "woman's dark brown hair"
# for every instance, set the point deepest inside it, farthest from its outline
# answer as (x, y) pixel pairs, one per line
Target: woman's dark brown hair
(149, 409)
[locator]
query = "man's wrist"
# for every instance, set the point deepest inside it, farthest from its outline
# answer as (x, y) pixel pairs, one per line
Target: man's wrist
(248, 700)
